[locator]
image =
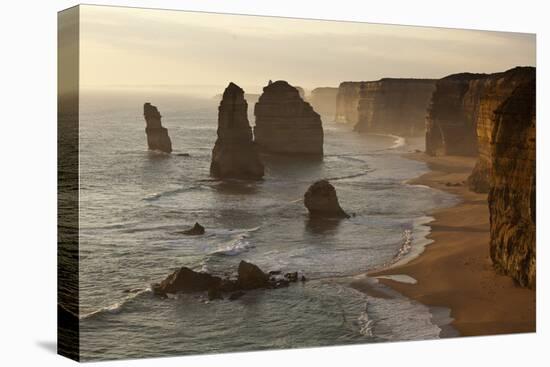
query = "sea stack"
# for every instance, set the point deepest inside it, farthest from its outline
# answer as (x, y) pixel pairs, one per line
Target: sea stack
(512, 194)
(285, 124)
(321, 201)
(157, 136)
(235, 154)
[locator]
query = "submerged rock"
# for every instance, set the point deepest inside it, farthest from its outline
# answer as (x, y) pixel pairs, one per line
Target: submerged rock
(236, 295)
(196, 230)
(251, 277)
(234, 154)
(214, 293)
(321, 201)
(285, 124)
(157, 136)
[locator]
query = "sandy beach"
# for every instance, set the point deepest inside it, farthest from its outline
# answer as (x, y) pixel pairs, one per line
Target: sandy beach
(455, 271)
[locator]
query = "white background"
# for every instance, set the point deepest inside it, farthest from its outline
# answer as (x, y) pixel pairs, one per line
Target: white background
(28, 182)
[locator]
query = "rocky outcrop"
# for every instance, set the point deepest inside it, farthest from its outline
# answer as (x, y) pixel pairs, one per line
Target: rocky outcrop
(185, 280)
(157, 136)
(323, 101)
(285, 124)
(394, 106)
(486, 95)
(196, 230)
(321, 201)
(235, 154)
(512, 194)
(249, 276)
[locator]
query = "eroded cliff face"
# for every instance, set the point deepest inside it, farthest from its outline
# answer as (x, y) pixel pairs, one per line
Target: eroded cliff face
(512, 194)
(234, 154)
(285, 124)
(157, 136)
(487, 94)
(394, 106)
(347, 100)
(450, 122)
(459, 114)
(323, 101)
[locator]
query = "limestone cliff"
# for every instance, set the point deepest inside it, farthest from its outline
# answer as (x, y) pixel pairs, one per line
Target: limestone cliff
(394, 106)
(450, 122)
(157, 136)
(347, 100)
(512, 194)
(285, 124)
(234, 154)
(487, 94)
(323, 101)
(460, 111)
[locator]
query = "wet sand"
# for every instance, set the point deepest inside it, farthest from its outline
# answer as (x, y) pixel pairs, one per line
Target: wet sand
(455, 271)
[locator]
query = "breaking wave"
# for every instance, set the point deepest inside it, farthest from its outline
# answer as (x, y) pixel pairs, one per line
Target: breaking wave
(117, 307)
(235, 247)
(366, 325)
(157, 195)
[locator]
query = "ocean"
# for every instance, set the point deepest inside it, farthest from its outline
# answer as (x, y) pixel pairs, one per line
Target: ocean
(133, 203)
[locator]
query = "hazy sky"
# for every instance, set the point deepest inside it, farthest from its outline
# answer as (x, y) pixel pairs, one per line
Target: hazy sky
(180, 51)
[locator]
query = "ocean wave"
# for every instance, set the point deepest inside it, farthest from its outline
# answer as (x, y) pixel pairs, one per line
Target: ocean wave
(406, 246)
(235, 247)
(412, 245)
(399, 141)
(157, 195)
(364, 173)
(117, 307)
(366, 325)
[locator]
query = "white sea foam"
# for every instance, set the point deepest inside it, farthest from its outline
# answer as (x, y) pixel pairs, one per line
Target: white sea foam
(366, 325)
(117, 307)
(414, 242)
(399, 141)
(157, 195)
(238, 244)
(401, 278)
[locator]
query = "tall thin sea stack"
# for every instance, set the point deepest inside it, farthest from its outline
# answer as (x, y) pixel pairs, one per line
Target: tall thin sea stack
(157, 136)
(286, 124)
(235, 154)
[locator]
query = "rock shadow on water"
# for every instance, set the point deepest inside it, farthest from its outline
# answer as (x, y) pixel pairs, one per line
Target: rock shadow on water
(236, 187)
(295, 166)
(323, 226)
